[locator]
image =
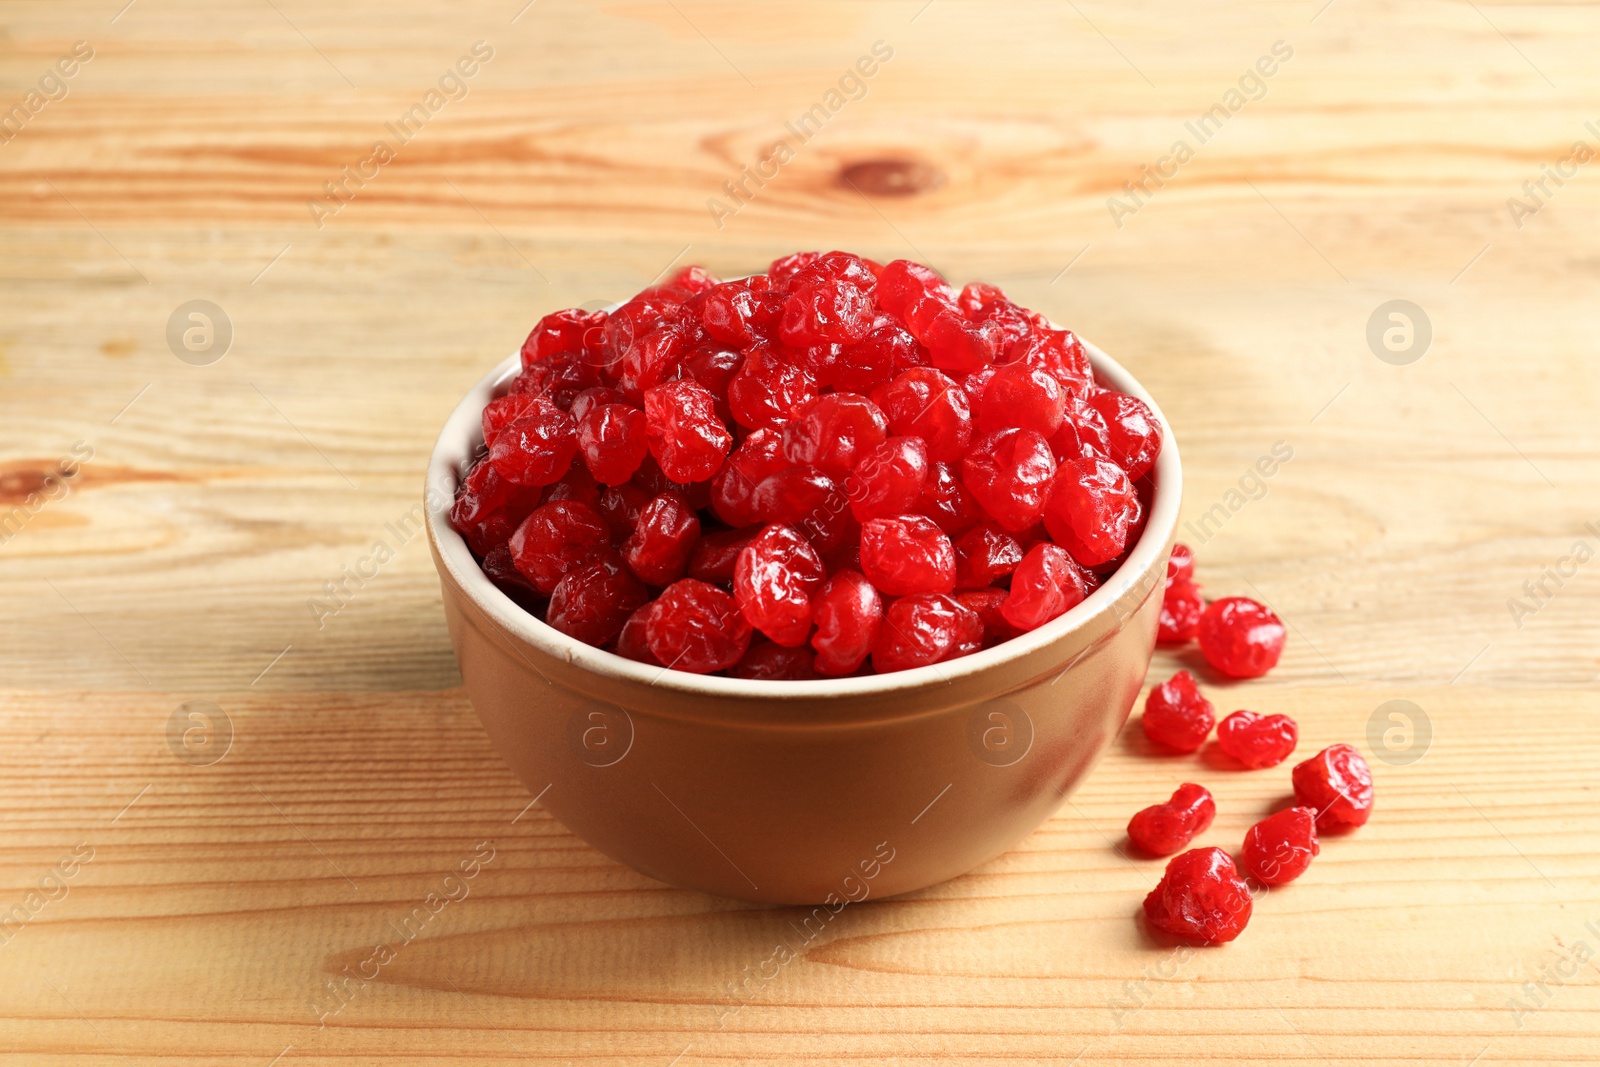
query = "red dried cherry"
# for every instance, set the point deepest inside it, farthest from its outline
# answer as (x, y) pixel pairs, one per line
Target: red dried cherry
(773, 581)
(767, 388)
(831, 312)
(1176, 716)
(1020, 395)
(849, 614)
(733, 488)
(772, 662)
(559, 332)
(1091, 508)
(886, 350)
(808, 500)
(1336, 783)
(907, 554)
(557, 538)
(658, 548)
(685, 435)
(1181, 608)
(1240, 637)
(1201, 896)
(1257, 740)
(923, 629)
(946, 502)
(984, 555)
(1279, 848)
(487, 507)
(889, 479)
(1082, 434)
(631, 642)
(1180, 564)
(697, 628)
(1135, 433)
(923, 403)
(989, 604)
(611, 438)
(536, 448)
(1046, 584)
(1165, 829)
(716, 555)
(592, 602)
(1010, 474)
(834, 432)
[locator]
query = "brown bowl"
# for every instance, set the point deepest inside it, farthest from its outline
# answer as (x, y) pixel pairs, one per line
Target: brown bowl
(817, 792)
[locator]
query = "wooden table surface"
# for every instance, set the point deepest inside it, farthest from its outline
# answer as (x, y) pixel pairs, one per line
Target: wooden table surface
(1430, 540)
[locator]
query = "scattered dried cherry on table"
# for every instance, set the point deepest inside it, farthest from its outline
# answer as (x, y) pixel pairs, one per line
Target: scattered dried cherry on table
(836, 467)
(1336, 783)
(1257, 740)
(1176, 716)
(1200, 897)
(1163, 829)
(1279, 848)
(1241, 637)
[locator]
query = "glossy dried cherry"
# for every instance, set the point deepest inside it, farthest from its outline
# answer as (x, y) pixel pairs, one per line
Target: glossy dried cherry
(697, 628)
(1167, 828)
(1336, 783)
(1279, 848)
(1241, 637)
(1176, 716)
(1200, 897)
(1257, 740)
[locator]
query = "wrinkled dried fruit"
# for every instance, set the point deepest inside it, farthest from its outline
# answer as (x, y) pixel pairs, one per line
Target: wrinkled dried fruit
(697, 628)
(1046, 584)
(1240, 637)
(923, 403)
(557, 538)
(773, 581)
(1165, 829)
(984, 555)
(662, 540)
(1176, 716)
(1279, 848)
(592, 602)
(1257, 740)
(907, 554)
(1180, 564)
(686, 436)
(1091, 509)
(1181, 608)
(849, 614)
(1200, 897)
(537, 447)
(889, 479)
(1010, 474)
(1336, 783)
(924, 629)
(773, 662)
(834, 432)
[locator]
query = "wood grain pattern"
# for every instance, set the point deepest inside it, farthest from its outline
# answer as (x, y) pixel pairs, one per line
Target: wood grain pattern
(179, 563)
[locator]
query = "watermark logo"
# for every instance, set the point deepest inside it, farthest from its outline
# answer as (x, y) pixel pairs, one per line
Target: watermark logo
(600, 734)
(999, 733)
(199, 733)
(199, 332)
(1399, 332)
(1399, 733)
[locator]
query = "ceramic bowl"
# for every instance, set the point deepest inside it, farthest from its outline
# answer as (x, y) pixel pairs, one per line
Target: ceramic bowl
(816, 792)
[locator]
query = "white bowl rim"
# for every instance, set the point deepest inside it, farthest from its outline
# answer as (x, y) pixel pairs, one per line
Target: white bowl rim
(462, 435)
